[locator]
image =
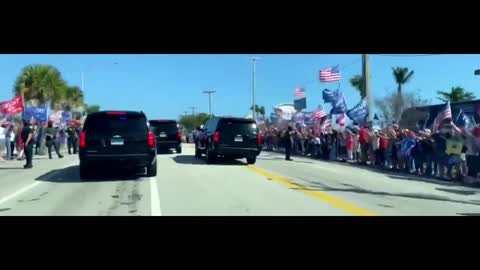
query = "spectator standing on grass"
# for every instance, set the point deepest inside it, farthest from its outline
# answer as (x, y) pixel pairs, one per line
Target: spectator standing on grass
(439, 152)
(363, 138)
(382, 148)
(427, 149)
(9, 134)
(349, 143)
(472, 154)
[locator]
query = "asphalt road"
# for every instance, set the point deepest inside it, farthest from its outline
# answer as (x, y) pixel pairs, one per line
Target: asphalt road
(187, 186)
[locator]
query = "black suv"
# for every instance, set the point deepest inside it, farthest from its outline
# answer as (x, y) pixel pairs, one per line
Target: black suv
(232, 138)
(167, 134)
(117, 139)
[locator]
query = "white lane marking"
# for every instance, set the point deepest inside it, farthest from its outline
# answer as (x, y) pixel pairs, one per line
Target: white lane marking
(19, 192)
(154, 198)
(32, 185)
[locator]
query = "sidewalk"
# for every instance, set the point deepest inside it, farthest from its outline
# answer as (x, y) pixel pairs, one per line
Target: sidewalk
(467, 181)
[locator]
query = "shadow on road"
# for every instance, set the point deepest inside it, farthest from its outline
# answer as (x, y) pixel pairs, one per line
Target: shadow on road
(283, 159)
(72, 175)
(358, 190)
(192, 160)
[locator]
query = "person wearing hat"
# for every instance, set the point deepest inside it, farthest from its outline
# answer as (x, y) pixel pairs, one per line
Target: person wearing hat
(27, 138)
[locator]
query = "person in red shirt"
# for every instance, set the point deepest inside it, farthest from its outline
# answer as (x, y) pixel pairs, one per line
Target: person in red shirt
(363, 140)
(383, 146)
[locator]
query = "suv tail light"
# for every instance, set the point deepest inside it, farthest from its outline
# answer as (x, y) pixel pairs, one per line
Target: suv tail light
(259, 139)
(179, 134)
(216, 137)
(83, 142)
(151, 140)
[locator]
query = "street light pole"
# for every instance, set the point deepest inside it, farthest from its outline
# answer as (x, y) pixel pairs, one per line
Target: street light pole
(193, 110)
(209, 92)
(366, 84)
(254, 60)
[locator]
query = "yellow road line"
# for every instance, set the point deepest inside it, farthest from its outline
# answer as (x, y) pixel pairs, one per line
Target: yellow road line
(332, 200)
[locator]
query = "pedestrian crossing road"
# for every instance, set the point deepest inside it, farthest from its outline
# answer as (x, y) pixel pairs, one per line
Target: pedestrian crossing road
(188, 186)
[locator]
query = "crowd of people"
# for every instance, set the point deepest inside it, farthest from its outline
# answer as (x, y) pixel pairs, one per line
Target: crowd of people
(447, 154)
(23, 139)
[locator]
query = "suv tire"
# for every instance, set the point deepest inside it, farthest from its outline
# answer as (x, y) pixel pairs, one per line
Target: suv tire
(84, 173)
(198, 154)
(251, 160)
(209, 156)
(152, 170)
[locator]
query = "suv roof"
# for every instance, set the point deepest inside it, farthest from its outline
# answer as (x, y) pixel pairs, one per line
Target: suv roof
(162, 121)
(116, 112)
(235, 118)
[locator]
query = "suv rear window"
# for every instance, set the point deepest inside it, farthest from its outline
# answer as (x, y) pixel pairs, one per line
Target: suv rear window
(118, 124)
(167, 127)
(234, 126)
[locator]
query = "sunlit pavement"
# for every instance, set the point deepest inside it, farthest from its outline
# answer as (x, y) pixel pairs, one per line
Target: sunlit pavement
(187, 186)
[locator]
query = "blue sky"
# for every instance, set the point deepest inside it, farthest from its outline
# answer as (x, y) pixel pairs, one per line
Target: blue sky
(164, 86)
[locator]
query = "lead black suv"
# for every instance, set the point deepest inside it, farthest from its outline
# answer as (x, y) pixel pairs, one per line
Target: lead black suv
(117, 139)
(167, 134)
(231, 138)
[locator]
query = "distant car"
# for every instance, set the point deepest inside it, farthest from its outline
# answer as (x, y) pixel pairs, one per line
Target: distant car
(168, 134)
(116, 139)
(230, 138)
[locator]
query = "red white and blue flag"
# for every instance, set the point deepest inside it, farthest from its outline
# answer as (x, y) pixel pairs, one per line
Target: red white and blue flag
(318, 114)
(299, 93)
(443, 115)
(327, 123)
(331, 74)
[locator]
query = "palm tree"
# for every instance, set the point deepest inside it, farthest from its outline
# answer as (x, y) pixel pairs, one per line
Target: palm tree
(357, 83)
(73, 98)
(261, 111)
(402, 76)
(456, 94)
(40, 83)
(258, 109)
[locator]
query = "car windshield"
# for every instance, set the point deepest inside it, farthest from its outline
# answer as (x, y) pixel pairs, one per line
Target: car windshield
(116, 124)
(238, 127)
(167, 127)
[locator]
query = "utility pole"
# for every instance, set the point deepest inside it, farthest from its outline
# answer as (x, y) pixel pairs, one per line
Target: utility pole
(366, 84)
(254, 60)
(193, 110)
(209, 92)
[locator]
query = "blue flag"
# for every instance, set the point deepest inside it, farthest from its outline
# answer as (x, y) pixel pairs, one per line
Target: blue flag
(359, 113)
(339, 105)
(37, 113)
(329, 96)
(464, 121)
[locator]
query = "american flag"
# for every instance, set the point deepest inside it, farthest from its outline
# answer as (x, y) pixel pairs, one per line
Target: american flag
(327, 123)
(331, 74)
(318, 114)
(443, 115)
(299, 92)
